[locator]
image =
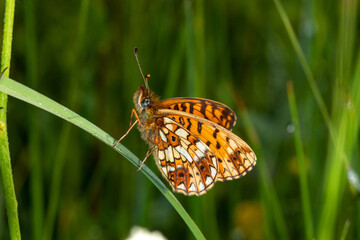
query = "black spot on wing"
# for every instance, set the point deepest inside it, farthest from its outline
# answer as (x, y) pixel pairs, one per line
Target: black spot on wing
(181, 121)
(199, 127)
(203, 110)
(191, 107)
(183, 107)
(189, 124)
(215, 133)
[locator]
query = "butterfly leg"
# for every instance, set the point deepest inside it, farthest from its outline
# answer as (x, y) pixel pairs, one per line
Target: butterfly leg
(2, 73)
(148, 153)
(130, 126)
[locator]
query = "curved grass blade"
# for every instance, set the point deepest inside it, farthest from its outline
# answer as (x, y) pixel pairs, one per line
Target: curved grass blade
(28, 95)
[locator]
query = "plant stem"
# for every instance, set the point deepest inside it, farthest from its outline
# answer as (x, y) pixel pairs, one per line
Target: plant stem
(304, 187)
(5, 162)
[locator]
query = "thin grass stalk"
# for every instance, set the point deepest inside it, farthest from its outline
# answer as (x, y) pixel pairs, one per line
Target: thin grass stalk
(5, 160)
(338, 158)
(190, 62)
(345, 230)
(355, 91)
(269, 198)
(334, 184)
(308, 73)
(304, 187)
(199, 49)
(36, 182)
(66, 128)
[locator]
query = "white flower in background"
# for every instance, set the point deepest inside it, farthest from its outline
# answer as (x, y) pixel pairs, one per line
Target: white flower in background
(140, 233)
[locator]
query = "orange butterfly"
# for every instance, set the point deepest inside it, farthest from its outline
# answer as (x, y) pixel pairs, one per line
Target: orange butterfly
(191, 140)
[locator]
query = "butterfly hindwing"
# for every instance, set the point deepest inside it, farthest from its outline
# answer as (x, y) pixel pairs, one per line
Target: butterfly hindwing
(213, 111)
(234, 156)
(187, 163)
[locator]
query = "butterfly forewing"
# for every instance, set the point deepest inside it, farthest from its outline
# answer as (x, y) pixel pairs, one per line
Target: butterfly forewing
(213, 111)
(185, 160)
(234, 157)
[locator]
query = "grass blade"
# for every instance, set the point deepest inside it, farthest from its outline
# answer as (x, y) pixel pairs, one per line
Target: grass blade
(36, 177)
(305, 198)
(28, 95)
(309, 76)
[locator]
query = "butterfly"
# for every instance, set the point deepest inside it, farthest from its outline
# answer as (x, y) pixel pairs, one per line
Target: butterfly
(191, 140)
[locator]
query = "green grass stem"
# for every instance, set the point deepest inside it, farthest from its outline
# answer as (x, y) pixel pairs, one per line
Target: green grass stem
(346, 124)
(306, 68)
(345, 230)
(304, 187)
(270, 202)
(36, 177)
(5, 161)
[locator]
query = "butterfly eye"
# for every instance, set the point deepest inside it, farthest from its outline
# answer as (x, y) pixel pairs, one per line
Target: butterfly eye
(145, 102)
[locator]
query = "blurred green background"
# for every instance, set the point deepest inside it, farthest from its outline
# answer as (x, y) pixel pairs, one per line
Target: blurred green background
(80, 53)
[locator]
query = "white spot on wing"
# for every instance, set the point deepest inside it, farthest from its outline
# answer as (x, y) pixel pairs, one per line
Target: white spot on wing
(182, 133)
(201, 147)
(183, 152)
(208, 180)
(192, 188)
(165, 130)
(213, 172)
(171, 169)
(169, 154)
(201, 186)
(183, 143)
(161, 155)
(232, 144)
(176, 154)
(247, 164)
(167, 120)
(169, 126)
(199, 153)
(164, 169)
(214, 161)
(163, 137)
(181, 186)
(186, 142)
(229, 150)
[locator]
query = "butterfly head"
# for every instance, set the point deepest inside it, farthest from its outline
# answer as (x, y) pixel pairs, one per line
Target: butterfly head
(142, 99)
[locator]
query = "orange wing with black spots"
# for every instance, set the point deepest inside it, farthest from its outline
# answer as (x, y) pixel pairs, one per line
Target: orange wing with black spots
(186, 161)
(213, 111)
(234, 156)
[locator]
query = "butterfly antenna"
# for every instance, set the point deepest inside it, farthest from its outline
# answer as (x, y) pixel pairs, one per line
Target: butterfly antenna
(142, 74)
